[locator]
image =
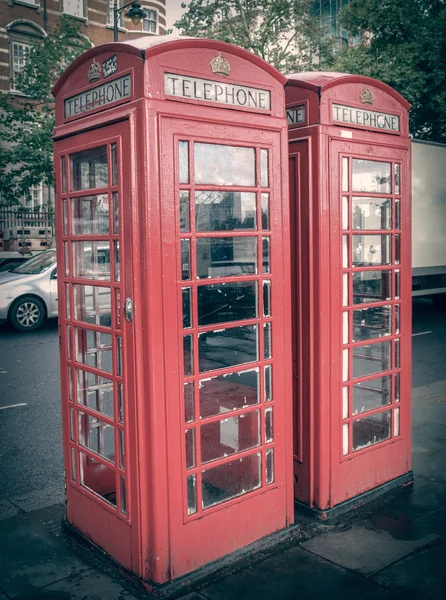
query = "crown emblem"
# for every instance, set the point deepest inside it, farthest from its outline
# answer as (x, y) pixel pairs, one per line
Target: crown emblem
(94, 72)
(220, 66)
(366, 96)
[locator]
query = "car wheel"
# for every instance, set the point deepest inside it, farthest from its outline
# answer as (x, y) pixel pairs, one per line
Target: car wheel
(27, 313)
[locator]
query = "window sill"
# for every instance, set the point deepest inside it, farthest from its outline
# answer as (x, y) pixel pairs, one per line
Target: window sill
(27, 4)
(121, 29)
(82, 19)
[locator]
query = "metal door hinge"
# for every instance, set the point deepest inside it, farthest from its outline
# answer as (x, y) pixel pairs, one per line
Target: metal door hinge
(129, 309)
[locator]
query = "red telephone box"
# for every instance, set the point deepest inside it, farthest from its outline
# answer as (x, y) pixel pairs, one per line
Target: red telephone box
(350, 185)
(173, 241)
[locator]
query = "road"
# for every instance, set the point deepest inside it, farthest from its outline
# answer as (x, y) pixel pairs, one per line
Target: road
(31, 467)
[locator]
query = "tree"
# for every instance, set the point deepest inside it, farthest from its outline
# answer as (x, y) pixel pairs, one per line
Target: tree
(27, 119)
(405, 46)
(282, 32)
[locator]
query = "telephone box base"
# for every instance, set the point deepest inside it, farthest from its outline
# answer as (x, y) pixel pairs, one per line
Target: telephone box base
(330, 514)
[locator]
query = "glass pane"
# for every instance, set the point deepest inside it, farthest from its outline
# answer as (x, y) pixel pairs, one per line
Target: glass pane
(191, 484)
(397, 179)
(92, 304)
(344, 212)
(229, 436)
(230, 480)
(371, 176)
(345, 366)
(98, 478)
(397, 249)
(397, 284)
(64, 174)
(121, 449)
(89, 169)
(184, 211)
(264, 168)
(96, 435)
(265, 211)
(229, 392)
(397, 387)
(65, 216)
(189, 408)
(223, 302)
(345, 439)
(224, 165)
(123, 492)
(345, 289)
(117, 263)
(185, 260)
(93, 348)
(120, 400)
(115, 198)
(371, 286)
(397, 318)
(91, 260)
(114, 164)
(270, 466)
(90, 215)
(269, 431)
(345, 251)
(183, 155)
(227, 347)
(266, 267)
(68, 342)
(371, 394)
(225, 211)
(397, 354)
(397, 214)
(73, 464)
(371, 430)
(370, 250)
(369, 323)
(267, 298)
(370, 359)
(190, 448)
(187, 307)
(220, 257)
(95, 392)
(118, 356)
(268, 383)
(345, 336)
(372, 213)
(345, 403)
(267, 341)
(66, 252)
(345, 174)
(396, 422)
(188, 355)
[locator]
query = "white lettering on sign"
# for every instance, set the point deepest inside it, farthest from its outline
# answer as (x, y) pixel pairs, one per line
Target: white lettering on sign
(296, 115)
(194, 88)
(365, 118)
(101, 95)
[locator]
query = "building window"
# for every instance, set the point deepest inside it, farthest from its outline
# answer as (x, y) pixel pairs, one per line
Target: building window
(150, 23)
(75, 8)
(20, 55)
(30, 2)
(111, 4)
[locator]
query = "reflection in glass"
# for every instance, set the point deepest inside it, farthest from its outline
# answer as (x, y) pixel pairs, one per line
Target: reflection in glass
(372, 213)
(221, 257)
(269, 431)
(397, 387)
(187, 308)
(397, 354)
(225, 211)
(230, 480)
(185, 260)
(189, 410)
(92, 304)
(229, 392)
(370, 323)
(229, 436)
(90, 214)
(115, 199)
(188, 355)
(89, 169)
(93, 348)
(265, 211)
(397, 249)
(270, 466)
(371, 358)
(371, 394)
(266, 267)
(114, 164)
(371, 176)
(184, 211)
(91, 260)
(224, 165)
(116, 258)
(120, 398)
(371, 286)
(190, 448)
(344, 212)
(98, 478)
(97, 435)
(371, 430)
(264, 168)
(118, 356)
(183, 155)
(191, 484)
(267, 341)
(223, 302)
(268, 383)
(370, 250)
(345, 174)
(397, 283)
(267, 298)
(397, 179)
(227, 347)
(123, 493)
(397, 214)
(397, 318)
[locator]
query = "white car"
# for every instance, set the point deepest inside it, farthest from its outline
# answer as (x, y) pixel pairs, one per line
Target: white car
(28, 293)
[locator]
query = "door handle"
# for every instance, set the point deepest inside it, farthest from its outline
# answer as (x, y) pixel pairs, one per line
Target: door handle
(129, 309)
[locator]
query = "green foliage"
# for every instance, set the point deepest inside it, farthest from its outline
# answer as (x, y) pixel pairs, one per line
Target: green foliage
(27, 119)
(282, 32)
(404, 46)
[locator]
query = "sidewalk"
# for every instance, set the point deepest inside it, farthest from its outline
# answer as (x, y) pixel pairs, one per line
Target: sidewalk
(395, 549)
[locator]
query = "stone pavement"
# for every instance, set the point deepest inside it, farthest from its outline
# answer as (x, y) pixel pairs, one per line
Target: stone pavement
(395, 548)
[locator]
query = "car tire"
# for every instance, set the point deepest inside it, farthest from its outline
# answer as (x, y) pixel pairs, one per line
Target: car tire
(27, 313)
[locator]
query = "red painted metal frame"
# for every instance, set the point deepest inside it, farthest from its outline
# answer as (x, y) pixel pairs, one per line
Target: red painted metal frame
(324, 477)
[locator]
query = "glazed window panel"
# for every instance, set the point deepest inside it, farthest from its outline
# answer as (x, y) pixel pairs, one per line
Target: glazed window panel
(98, 478)
(371, 250)
(225, 211)
(94, 349)
(371, 358)
(371, 176)
(89, 169)
(227, 256)
(92, 304)
(372, 286)
(91, 260)
(224, 302)
(371, 430)
(95, 392)
(371, 394)
(217, 164)
(227, 347)
(371, 213)
(229, 436)
(370, 323)
(225, 393)
(97, 436)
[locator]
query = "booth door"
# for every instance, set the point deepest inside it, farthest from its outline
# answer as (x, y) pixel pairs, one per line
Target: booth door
(229, 382)
(371, 281)
(94, 275)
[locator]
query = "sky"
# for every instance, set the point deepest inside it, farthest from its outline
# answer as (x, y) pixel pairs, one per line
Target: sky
(174, 11)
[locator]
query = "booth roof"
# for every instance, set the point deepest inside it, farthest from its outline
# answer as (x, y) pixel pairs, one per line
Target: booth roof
(318, 81)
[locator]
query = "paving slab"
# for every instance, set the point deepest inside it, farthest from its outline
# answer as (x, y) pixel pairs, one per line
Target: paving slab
(37, 499)
(420, 576)
(429, 434)
(364, 548)
(294, 574)
(7, 509)
(33, 553)
(432, 466)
